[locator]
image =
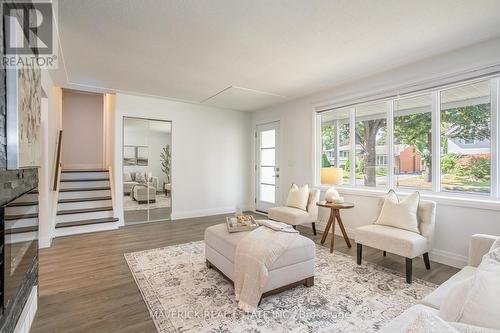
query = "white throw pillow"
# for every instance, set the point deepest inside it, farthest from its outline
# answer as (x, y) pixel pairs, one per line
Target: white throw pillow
(127, 177)
(298, 197)
(402, 215)
(482, 307)
(475, 300)
(495, 245)
(453, 304)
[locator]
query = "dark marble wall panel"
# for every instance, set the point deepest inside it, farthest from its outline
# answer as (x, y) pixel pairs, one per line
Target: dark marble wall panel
(12, 184)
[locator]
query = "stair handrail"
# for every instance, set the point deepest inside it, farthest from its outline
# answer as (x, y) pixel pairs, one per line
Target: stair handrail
(58, 165)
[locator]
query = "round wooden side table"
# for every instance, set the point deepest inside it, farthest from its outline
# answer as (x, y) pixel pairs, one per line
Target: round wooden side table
(334, 215)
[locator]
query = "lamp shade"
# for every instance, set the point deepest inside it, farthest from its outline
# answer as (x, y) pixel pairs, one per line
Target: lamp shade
(331, 176)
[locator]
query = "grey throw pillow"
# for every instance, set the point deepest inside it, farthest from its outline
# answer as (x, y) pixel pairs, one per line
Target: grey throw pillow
(140, 178)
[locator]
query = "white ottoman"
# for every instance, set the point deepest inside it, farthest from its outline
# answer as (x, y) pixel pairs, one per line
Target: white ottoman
(294, 267)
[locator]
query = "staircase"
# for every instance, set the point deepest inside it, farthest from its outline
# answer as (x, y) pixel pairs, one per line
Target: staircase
(21, 219)
(84, 203)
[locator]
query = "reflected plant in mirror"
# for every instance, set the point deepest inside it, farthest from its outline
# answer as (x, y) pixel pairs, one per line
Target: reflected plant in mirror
(165, 161)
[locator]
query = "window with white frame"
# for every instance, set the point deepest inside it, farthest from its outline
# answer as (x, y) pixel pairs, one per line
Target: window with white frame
(451, 127)
(335, 141)
(413, 143)
(371, 142)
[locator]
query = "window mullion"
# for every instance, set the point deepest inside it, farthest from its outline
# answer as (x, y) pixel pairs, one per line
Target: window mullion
(390, 144)
(318, 148)
(436, 141)
(337, 144)
(352, 136)
(494, 140)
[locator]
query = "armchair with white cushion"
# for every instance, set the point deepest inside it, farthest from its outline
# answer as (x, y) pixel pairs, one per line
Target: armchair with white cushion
(296, 216)
(405, 243)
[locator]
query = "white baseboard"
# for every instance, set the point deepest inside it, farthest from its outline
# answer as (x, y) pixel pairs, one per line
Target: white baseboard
(28, 314)
(448, 258)
(202, 212)
(44, 243)
(83, 229)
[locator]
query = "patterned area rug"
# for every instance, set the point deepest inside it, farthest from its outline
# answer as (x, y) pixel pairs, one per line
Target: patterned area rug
(161, 201)
(183, 295)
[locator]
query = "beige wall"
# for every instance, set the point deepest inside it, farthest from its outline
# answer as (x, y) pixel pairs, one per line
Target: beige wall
(82, 119)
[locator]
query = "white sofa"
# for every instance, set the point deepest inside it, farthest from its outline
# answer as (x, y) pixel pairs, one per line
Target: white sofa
(479, 246)
(131, 182)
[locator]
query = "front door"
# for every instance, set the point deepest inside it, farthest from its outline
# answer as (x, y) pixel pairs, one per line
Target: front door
(267, 168)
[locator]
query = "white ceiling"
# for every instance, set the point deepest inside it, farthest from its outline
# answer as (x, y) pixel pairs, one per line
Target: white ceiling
(252, 54)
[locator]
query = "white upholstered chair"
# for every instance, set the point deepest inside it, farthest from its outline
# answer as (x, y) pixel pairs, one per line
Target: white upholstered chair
(295, 216)
(405, 243)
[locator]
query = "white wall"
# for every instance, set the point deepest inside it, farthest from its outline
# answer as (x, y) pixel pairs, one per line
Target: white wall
(210, 154)
(83, 145)
(455, 224)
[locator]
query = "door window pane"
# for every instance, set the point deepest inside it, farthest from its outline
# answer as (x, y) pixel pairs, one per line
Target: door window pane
(465, 139)
(267, 193)
(413, 143)
(335, 141)
(267, 175)
(371, 142)
(267, 139)
(268, 157)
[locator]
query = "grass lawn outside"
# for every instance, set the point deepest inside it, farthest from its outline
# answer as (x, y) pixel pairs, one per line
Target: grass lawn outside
(450, 183)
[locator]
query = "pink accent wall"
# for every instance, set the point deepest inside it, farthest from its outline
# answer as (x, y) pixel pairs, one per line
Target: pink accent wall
(82, 123)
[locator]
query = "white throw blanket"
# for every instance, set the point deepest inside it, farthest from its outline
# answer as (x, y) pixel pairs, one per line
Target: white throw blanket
(255, 253)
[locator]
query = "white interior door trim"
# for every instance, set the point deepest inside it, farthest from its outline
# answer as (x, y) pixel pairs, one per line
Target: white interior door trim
(263, 203)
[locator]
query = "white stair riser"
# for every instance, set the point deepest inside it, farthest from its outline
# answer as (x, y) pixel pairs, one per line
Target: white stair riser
(84, 194)
(21, 223)
(101, 183)
(81, 229)
(29, 197)
(84, 204)
(18, 210)
(84, 175)
(22, 237)
(83, 216)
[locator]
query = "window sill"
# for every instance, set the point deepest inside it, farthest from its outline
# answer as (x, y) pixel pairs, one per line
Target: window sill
(442, 199)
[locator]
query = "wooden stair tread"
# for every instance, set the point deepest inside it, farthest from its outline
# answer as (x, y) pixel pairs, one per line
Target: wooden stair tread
(84, 180)
(85, 222)
(83, 199)
(85, 189)
(20, 204)
(84, 210)
(21, 230)
(20, 216)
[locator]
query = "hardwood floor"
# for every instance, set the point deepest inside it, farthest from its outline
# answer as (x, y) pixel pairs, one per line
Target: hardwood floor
(140, 216)
(86, 286)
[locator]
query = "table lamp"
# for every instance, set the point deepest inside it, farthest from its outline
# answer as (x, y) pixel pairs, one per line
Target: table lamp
(332, 176)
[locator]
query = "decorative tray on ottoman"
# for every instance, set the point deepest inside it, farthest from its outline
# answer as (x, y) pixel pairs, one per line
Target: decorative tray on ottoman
(241, 223)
